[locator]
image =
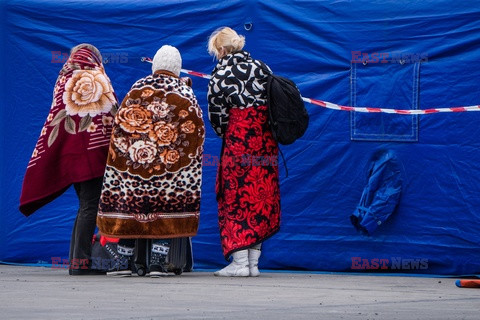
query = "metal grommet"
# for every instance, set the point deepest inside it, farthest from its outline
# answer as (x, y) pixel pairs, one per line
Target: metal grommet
(402, 61)
(365, 62)
(248, 26)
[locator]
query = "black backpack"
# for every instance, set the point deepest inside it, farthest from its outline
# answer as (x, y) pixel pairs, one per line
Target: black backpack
(287, 114)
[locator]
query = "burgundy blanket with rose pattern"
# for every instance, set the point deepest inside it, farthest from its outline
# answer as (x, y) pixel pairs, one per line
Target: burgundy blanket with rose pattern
(73, 143)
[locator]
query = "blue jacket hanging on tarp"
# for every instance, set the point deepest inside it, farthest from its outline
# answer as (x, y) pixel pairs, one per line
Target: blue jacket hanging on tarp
(381, 194)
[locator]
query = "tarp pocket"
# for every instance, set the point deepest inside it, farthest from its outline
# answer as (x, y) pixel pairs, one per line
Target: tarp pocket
(393, 85)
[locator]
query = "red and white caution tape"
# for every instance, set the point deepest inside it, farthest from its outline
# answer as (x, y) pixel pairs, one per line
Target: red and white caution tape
(334, 106)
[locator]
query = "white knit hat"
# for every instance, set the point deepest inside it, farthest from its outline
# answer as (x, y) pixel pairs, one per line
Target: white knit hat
(167, 58)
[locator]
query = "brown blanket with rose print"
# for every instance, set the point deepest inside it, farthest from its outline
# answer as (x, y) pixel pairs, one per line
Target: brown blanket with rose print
(73, 143)
(152, 182)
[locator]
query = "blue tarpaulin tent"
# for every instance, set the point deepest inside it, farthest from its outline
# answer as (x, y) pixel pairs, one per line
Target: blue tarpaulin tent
(389, 54)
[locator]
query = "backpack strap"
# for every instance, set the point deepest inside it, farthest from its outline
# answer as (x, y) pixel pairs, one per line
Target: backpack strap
(284, 161)
(269, 73)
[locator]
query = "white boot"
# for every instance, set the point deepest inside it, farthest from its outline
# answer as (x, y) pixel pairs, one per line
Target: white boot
(238, 267)
(253, 255)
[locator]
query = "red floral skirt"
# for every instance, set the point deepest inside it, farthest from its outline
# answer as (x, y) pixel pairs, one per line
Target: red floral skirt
(247, 186)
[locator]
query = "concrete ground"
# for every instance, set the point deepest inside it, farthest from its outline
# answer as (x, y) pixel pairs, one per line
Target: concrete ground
(45, 293)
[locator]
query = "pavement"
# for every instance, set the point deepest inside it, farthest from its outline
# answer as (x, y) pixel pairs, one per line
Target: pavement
(46, 293)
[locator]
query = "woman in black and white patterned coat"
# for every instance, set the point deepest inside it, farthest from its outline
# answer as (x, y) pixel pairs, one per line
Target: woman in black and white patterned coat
(247, 185)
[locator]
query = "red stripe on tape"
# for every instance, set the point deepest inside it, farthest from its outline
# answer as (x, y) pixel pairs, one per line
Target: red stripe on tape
(318, 102)
(197, 74)
(402, 111)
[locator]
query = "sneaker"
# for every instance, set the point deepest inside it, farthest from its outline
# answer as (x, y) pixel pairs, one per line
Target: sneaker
(158, 256)
(121, 262)
(157, 271)
(119, 273)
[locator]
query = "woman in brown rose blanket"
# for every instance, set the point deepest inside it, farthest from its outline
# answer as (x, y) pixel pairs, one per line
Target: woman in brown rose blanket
(152, 181)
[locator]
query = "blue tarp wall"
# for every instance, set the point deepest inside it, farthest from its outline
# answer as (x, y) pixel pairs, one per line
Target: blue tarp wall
(432, 59)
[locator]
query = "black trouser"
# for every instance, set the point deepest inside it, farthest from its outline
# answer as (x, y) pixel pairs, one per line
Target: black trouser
(88, 193)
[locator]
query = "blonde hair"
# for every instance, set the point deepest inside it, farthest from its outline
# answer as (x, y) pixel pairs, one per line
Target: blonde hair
(224, 41)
